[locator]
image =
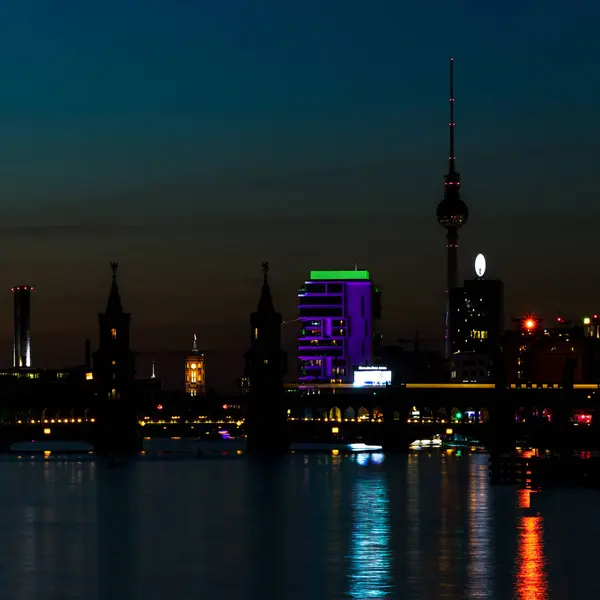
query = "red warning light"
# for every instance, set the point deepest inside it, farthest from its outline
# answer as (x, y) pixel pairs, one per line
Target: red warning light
(529, 323)
(160, 407)
(225, 406)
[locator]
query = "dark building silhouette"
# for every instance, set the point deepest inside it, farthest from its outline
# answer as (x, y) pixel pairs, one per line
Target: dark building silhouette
(413, 364)
(563, 354)
(452, 213)
(266, 365)
(114, 367)
(113, 375)
(88, 357)
(241, 385)
(476, 329)
(22, 326)
(477, 316)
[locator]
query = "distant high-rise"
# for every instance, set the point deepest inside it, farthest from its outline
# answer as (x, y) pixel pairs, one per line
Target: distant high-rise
(452, 214)
(336, 312)
(22, 326)
(195, 378)
(477, 316)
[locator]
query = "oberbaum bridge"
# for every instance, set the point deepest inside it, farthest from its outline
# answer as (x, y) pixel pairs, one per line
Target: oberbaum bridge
(104, 405)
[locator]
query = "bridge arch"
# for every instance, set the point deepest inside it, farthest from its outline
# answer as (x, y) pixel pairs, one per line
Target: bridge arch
(363, 414)
(426, 415)
(455, 414)
(349, 413)
(470, 415)
(335, 414)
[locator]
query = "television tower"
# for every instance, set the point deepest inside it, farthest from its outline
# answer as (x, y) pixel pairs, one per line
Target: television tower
(452, 214)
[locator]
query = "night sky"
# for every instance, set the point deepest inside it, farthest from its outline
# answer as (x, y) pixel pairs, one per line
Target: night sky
(193, 139)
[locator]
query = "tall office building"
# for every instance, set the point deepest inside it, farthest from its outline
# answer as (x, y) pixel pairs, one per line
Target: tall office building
(477, 316)
(22, 326)
(337, 310)
(195, 376)
(476, 326)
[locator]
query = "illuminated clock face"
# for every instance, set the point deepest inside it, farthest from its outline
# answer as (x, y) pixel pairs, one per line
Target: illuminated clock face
(480, 265)
(193, 365)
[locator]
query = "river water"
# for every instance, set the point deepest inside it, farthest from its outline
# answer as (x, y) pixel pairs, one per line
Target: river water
(423, 527)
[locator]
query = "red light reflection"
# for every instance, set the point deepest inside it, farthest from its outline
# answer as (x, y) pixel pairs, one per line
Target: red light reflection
(582, 419)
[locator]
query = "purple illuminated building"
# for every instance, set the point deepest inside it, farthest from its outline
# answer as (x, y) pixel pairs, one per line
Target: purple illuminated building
(337, 310)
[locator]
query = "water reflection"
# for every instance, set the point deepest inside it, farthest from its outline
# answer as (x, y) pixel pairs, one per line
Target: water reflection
(363, 459)
(426, 527)
(480, 561)
(117, 539)
(371, 556)
(531, 579)
(413, 517)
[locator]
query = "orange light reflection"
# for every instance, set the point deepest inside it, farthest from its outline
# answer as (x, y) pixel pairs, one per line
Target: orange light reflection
(531, 583)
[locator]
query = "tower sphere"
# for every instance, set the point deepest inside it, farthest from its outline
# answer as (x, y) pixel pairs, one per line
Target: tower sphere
(452, 213)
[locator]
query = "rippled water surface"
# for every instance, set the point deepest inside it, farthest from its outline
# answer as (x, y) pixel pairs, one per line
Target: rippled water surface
(421, 527)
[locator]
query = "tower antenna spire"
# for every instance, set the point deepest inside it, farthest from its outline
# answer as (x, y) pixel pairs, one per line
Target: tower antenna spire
(451, 124)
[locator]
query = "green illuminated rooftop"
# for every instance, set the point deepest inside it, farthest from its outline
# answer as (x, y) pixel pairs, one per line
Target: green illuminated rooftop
(339, 275)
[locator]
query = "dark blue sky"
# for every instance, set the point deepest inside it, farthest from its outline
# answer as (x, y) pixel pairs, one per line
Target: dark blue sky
(190, 140)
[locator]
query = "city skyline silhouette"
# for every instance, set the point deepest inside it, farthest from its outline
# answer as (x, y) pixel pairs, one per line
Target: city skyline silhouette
(191, 142)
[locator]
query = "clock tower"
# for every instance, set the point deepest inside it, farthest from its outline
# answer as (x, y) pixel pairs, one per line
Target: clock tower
(195, 374)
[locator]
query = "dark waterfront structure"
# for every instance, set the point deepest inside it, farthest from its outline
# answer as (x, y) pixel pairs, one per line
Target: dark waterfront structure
(113, 376)
(452, 213)
(266, 365)
(22, 326)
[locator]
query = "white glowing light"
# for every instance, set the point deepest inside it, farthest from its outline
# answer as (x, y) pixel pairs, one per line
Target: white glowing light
(360, 447)
(372, 376)
(480, 265)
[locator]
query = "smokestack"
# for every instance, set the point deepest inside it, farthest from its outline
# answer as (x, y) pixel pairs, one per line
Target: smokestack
(88, 356)
(22, 326)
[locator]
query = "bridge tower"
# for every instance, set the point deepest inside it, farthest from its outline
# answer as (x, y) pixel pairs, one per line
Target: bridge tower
(266, 365)
(113, 373)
